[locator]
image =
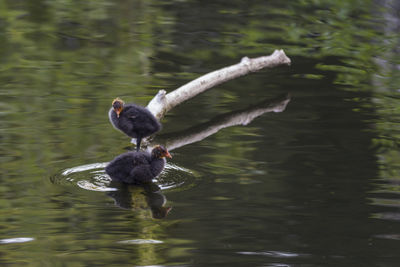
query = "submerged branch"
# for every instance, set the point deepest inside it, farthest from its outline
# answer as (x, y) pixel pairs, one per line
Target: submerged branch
(164, 102)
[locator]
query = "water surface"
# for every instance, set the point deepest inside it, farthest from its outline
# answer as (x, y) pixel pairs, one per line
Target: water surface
(314, 185)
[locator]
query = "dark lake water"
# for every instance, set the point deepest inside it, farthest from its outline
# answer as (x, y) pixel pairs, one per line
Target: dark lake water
(314, 185)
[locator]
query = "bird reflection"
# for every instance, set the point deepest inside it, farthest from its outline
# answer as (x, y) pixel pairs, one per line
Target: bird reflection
(140, 198)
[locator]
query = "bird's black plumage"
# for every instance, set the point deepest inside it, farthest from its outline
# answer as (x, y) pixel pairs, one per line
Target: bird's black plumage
(137, 167)
(133, 120)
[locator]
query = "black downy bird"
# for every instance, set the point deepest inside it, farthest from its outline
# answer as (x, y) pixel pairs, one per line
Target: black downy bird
(138, 167)
(133, 120)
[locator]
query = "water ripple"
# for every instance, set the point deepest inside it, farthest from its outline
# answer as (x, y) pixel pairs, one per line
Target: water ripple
(140, 241)
(83, 168)
(93, 177)
(275, 254)
(16, 240)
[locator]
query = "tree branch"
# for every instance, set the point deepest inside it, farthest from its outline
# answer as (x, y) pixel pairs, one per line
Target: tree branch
(164, 102)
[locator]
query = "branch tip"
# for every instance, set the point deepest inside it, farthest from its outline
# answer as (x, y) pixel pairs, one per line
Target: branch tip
(245, 60)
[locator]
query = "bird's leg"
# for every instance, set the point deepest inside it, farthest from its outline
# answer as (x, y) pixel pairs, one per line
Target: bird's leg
(138, 141)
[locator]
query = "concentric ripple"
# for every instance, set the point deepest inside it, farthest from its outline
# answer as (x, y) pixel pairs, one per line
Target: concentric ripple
(94, 178)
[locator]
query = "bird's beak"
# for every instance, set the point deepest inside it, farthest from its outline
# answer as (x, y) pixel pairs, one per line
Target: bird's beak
(168, 155)
(118, 111)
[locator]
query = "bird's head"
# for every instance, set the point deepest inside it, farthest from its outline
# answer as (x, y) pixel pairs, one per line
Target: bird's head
(160, 152)
(160, 213)
(118, 105)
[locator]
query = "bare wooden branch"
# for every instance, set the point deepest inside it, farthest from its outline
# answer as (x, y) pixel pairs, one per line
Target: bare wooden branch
(164, 102)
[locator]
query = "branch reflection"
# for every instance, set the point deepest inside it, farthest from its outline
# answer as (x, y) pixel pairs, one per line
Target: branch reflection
(239, 117)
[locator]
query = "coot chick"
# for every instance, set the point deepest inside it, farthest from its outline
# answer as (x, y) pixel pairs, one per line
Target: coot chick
(138, 167)
(133, 120)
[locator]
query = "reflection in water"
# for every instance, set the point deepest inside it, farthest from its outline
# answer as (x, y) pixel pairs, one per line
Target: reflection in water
(386, 103)
(146, 196)
(238, 117)
(392, 237)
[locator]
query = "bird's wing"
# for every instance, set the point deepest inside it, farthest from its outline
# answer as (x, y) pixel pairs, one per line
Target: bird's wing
(142, 173)
(140, 159)
(132, 112)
